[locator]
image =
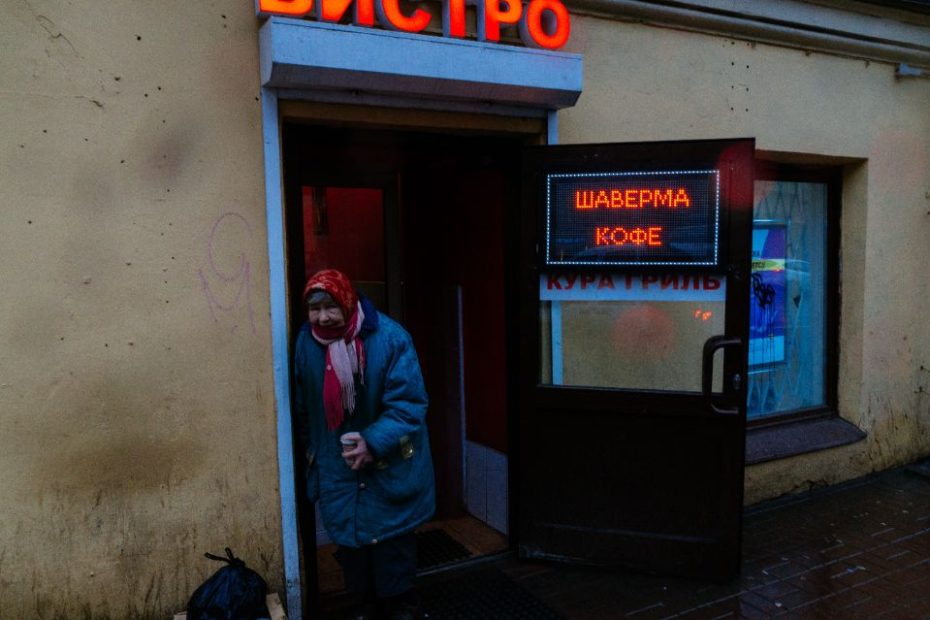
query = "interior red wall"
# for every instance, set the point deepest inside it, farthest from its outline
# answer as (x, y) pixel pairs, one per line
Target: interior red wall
(484, 329)
(454, 230)
(453, 235)
(352, 239)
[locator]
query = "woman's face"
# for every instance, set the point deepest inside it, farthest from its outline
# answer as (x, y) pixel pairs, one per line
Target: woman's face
(325, 313)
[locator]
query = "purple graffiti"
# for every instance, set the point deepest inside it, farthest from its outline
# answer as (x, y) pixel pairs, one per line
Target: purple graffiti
(235, 284)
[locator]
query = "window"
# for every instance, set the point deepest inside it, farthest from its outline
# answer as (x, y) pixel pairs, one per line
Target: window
(793, 296)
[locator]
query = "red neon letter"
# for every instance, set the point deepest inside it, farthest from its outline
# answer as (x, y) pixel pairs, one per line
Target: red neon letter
(333, 10)
(682, 198)
(654, 235)
(284, 7)
(663, 198)
(602, 200)
(600, 235)
(364, 13)
(616, 199)
(545, 24)
(453, 19)
(390, 16)
(630, 199)
(497, 12)
(584, 200)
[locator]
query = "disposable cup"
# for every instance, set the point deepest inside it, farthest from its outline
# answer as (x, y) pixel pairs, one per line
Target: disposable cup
(348, 443)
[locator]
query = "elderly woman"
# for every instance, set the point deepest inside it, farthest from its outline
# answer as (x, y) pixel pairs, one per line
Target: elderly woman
(362, 404)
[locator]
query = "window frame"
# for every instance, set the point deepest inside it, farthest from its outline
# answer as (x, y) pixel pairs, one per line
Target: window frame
(831, 177)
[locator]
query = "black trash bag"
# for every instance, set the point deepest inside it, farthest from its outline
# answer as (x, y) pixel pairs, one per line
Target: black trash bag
(235, 592)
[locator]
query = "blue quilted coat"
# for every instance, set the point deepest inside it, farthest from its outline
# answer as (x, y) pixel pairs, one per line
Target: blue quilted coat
(395, 493)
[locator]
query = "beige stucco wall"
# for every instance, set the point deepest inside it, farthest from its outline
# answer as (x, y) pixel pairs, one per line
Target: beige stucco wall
(647, 83)
(137, 425)
(137, 421)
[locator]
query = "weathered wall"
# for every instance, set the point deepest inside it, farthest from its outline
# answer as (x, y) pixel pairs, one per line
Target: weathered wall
(136, 404)
(646, 83)
(136, 412)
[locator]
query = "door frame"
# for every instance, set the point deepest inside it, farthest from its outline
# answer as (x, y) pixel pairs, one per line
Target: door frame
(277, 106)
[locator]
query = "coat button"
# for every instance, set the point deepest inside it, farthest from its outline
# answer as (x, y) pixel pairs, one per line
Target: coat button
(361, 485)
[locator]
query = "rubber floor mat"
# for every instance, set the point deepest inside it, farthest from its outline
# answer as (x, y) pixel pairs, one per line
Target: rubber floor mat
(436, 547)
(483, 595)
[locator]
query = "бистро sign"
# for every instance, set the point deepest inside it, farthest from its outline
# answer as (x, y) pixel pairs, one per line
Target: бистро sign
(542, 23)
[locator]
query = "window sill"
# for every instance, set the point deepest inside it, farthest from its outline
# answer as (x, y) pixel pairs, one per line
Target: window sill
(780, 441)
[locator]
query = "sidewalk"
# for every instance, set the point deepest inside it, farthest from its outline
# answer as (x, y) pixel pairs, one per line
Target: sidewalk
(857, 550)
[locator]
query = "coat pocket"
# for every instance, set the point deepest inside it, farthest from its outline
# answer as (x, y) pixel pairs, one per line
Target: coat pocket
(403, 474)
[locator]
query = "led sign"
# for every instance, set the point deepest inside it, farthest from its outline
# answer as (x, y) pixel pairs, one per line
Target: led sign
(625, 219)
(541, 23)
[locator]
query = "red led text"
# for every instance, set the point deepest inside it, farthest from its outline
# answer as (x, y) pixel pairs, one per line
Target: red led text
(618, 235)
(631, 198)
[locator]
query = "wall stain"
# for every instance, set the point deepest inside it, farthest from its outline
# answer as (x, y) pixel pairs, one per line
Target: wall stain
(132, 462)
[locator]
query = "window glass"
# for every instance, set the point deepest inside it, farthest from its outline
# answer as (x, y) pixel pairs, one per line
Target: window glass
(629, 331)
(787, 340)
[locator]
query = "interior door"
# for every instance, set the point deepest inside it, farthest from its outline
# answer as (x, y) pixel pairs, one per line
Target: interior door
(635, 263)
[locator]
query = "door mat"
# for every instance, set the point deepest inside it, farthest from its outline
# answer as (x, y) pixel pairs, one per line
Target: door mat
(436, 548)
(485, 594)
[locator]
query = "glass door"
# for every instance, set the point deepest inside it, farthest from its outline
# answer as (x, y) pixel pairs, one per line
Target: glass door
(634, 329)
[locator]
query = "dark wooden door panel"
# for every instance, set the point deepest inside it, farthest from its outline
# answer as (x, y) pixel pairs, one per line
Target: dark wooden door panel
(637, 478)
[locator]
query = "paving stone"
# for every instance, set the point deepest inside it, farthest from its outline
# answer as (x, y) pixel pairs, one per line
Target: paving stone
(857, 550)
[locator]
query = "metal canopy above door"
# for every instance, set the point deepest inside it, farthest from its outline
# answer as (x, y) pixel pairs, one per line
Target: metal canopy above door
(304, 55)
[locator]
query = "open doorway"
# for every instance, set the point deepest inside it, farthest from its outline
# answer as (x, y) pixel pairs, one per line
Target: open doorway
(420, 222)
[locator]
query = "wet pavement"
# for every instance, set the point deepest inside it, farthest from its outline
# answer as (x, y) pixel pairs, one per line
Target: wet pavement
(856, 550)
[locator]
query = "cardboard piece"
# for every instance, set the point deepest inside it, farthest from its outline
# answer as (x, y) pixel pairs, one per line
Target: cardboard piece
(275, 608)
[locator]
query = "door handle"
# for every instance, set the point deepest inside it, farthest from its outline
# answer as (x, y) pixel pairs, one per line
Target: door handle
(707, 370)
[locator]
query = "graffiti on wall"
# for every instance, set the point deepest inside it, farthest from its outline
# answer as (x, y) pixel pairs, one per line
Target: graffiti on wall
(226, 280)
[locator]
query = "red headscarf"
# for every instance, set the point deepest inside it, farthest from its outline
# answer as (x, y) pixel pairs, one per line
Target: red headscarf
(345, 355)
(338, 286)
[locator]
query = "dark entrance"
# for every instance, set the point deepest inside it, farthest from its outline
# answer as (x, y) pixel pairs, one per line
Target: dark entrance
(420, 222)
(631, 429)
(622, 416)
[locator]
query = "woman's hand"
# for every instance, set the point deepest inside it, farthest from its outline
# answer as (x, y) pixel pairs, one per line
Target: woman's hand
(359, 456)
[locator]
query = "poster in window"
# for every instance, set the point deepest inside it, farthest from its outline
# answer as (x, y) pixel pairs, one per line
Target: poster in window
(767, 307)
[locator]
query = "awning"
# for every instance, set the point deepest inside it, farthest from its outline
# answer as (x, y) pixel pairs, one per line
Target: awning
(306, 55)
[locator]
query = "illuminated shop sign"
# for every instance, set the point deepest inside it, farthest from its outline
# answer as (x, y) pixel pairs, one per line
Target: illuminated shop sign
(622, 219)
(541, 23)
